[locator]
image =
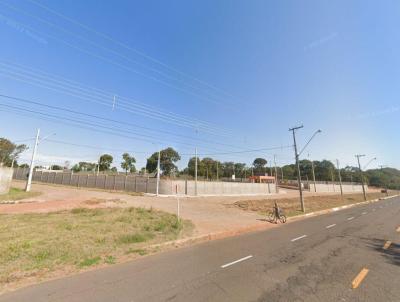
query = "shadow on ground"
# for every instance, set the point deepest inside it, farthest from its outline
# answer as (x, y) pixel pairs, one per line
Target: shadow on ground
(392, 254)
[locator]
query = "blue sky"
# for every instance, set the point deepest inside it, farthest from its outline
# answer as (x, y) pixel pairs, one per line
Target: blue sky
(237, 73)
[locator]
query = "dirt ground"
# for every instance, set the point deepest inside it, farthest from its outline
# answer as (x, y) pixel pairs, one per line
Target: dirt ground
(208, 214)
(291, 206)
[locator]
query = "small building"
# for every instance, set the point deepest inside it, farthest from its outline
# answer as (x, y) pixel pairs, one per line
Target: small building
(262, 179)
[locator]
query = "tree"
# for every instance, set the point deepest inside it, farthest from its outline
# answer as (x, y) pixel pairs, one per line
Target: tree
(259, 165)
(129, 163)
(56, 167)
(9, 151)
(105, 162)
(24, 166)
(167, 159)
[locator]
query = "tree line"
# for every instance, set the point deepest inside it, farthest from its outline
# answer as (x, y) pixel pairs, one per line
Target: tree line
(212, 169)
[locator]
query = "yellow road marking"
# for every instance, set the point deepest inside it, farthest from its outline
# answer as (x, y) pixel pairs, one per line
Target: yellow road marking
(360, 277)
(386, 245)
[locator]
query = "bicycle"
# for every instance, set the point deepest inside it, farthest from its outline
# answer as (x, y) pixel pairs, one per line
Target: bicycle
(276, 214)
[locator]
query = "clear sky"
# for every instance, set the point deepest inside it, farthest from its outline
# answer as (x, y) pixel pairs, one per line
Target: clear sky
(225, 76)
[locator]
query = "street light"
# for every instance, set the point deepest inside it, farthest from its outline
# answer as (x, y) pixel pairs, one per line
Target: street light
(37, 141)
(298, 163)
(361, 173)
(369, 163)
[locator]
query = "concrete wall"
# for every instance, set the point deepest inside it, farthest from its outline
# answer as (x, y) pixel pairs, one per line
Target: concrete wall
(183, 187)
(347, 188)
(146, 185)
(5, 179)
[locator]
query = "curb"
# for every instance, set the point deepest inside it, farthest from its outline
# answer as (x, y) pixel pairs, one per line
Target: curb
(255, 227)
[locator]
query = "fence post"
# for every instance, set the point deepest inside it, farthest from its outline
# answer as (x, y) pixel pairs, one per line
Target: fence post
(126, 177)
(41, 176)
(105, 181)
(87, 180)
(79, 180)
(186, 192)
(95, 181)
(115, 178)
(135, 183)
(147, 184)
(62, 178)
(70, 178)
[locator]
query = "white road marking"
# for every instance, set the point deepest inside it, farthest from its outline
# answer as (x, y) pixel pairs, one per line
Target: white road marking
(234, 262)
(350, 218)
(364, 213)
(330, 226)
(298, 238)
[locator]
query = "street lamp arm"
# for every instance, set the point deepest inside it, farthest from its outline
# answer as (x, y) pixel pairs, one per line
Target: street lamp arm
(369, 163)
(316, 132)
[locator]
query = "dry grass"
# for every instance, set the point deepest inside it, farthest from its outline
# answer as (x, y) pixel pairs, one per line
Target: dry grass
(35, 245)
(17, 194)
(291, 206)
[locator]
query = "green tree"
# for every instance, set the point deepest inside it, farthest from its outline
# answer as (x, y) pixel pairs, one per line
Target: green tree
(9, 151)
(105, 162)
(168, 158)
(56, 167)
(128, 163)
(259, 165)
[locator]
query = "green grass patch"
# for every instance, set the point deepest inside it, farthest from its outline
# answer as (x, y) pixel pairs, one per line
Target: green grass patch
(38, 244)
(17, 194)
(140, 252)
(89, 262)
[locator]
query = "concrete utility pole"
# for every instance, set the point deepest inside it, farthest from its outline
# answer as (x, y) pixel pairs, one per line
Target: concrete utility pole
(361, 174)
(385, 186)
(276, 176)
(158, 172)
(195, 172)
(340, 177)
(298, 166)
(29, 182)
(313, 175)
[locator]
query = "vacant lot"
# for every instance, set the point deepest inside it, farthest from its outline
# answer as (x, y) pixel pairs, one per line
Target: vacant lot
(38, 246)
(17, 194)
(312, 203)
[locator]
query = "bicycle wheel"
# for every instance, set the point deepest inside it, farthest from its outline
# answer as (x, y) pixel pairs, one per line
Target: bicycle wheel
(270, 217)
(282, 218)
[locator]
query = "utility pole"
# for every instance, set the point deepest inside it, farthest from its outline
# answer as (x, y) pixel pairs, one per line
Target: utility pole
(340, 177)
(158, 172)
(313, 175)
(384, 185)
(361, 175)
(276, 176)
(195, 172)
(298, 166)
(29, 182)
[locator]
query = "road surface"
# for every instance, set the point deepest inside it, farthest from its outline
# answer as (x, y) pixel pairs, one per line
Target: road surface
(314, 259)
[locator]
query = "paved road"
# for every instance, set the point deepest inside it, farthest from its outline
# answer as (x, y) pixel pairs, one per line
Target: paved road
(315, 259)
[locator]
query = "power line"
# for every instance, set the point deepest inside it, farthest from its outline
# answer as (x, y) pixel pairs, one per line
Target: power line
(140, 53)
(40, 80)
(94, 127)
(109, 120)
(115, 63)
(97, 45)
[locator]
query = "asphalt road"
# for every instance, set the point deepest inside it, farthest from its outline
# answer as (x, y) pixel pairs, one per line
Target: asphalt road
(314, 259)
